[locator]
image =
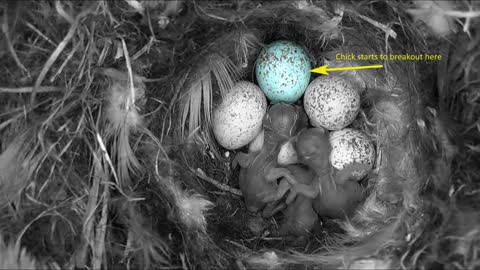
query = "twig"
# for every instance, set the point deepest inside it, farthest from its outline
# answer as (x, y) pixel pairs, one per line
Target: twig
(197, 7)
(130, 75)
(117, 183)
(20, 90)
(88, 220)
(233, 17)
(387, 29)
(462, 14)
(144, 49)
(64, 64)
(128, 247)
(199, 172)
(8, 122)
(9, 44)
(63, 13)
(21, 112)
(25, 229)
(101, 230)
(53, 57)
(31, 26)
(237, 244)
(473, 148)
(470, 193)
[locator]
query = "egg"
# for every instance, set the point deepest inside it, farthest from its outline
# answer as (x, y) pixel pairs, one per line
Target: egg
(351, 146)
(283, 71)
(257, 143)
(331, 102)
(238, 118)
(287, 154)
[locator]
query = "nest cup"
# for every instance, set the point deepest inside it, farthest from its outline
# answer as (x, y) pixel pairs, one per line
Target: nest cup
(390, 102)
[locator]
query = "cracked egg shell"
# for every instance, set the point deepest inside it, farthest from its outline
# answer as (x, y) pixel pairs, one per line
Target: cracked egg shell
(331, 102)
(238, 118)
(287, 154)
(283, 71)
(350, 146)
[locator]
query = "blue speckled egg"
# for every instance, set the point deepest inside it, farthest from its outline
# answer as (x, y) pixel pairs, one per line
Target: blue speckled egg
(283, 71)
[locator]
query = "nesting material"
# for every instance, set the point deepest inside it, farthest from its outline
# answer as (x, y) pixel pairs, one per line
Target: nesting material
(109, 160)
(14, 257)
(389, 112)
(18, 163)
(122, 116)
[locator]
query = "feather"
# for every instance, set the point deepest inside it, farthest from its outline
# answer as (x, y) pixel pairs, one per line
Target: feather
(122, 117)
(265, 260)
(432, 13)
(14, 257)
(192, 208)
(144, 240)
(196, 103)
(18, 163)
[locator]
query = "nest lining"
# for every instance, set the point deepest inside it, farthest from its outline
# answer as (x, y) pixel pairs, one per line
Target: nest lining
(390, 102)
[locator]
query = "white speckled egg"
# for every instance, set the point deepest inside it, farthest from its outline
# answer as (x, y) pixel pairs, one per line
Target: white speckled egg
(349, 146)
(238, 119)
(283, 71)
(331, 102)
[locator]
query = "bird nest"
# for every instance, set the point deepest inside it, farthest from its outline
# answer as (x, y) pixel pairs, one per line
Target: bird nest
(108, 158)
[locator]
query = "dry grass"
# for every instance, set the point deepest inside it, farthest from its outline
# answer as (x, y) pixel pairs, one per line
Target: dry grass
(103, 105)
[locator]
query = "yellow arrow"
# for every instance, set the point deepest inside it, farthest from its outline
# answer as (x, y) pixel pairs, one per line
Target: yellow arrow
(324, 69)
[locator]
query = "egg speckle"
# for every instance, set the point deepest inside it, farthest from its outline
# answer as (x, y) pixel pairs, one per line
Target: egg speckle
(350, 146)
(331, 102)
(238, 119)
(283, 71)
